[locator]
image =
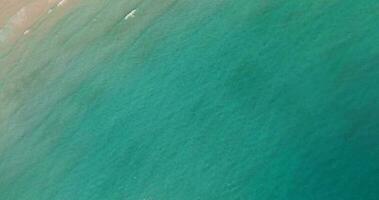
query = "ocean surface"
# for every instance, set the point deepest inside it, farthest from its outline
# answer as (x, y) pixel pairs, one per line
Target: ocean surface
(192, 100)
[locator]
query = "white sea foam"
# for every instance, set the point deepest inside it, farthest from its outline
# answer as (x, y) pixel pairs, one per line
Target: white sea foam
(26, 32)
(131, 14)
(61, 3)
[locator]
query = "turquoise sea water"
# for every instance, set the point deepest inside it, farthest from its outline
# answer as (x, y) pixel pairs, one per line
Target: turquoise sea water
(244, 99)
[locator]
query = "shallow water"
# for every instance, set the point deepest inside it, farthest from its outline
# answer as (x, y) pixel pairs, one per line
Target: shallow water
(193, 100)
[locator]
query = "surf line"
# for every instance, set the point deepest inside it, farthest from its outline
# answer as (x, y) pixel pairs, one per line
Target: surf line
(131, 14)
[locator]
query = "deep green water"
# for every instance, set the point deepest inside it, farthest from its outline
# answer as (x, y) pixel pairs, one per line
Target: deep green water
(217, 99)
